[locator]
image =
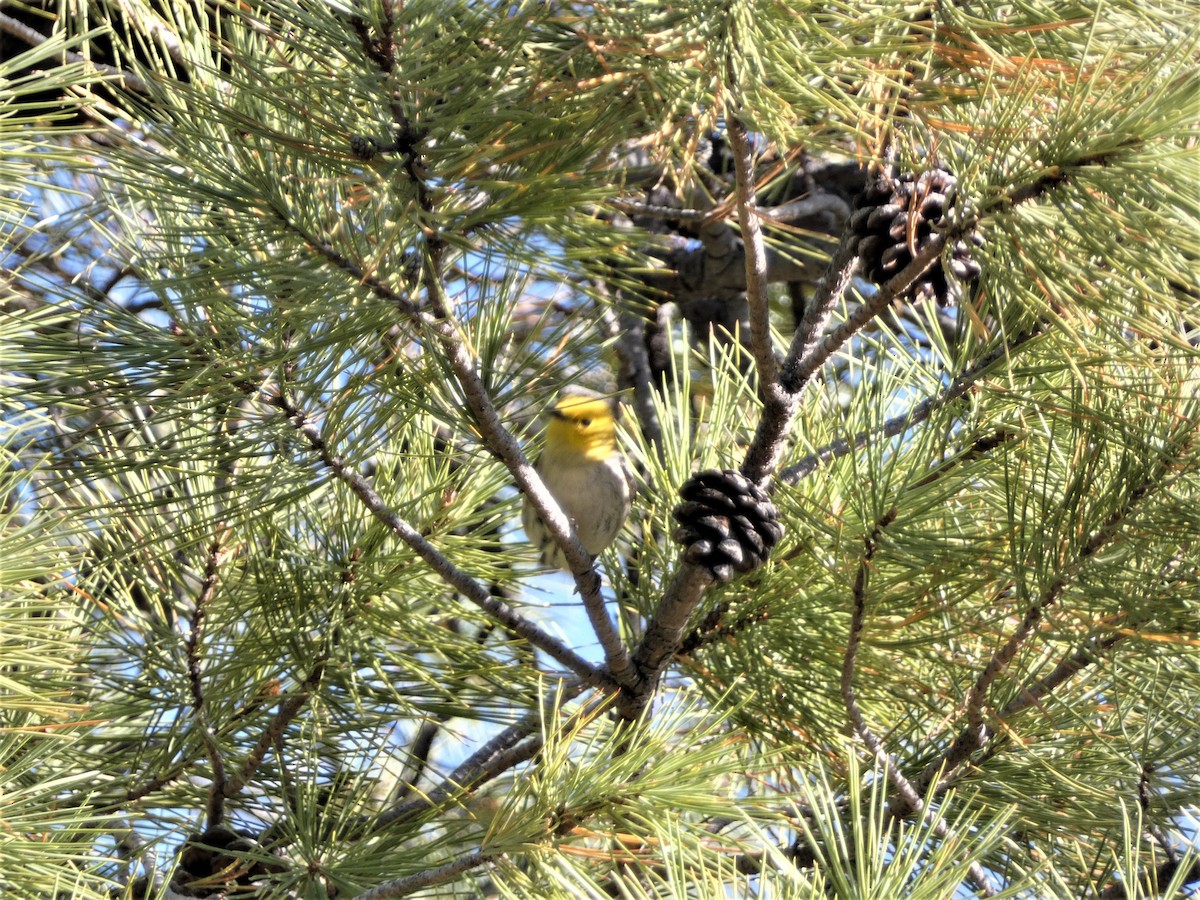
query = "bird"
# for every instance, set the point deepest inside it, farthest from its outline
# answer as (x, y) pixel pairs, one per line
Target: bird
(586, 472)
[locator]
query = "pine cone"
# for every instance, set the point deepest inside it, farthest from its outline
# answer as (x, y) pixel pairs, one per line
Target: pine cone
(726, 523)
(364, 147)
(894, 216)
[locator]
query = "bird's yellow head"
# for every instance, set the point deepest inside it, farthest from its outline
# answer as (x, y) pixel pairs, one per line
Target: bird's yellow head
(583, 428)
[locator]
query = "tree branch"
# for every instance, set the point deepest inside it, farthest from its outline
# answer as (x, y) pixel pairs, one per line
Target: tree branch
(23, 32)
(460, 580)
(497, 439)
(410, 883)
(512, 746)
(663, 635)
(767, 445)
(811, 347)
(1151, 881)
(756, 261)
(628, 329)
(273, 733)
(976, 733)
(898, 425)
(803, 362)
(216, 794)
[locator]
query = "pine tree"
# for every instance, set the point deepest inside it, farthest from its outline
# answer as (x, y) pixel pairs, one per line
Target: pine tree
(900, 302)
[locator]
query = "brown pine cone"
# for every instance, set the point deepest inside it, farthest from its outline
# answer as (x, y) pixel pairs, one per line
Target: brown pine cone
(727, 523)
(893, 217)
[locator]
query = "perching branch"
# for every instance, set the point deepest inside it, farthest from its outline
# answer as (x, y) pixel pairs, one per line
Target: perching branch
(458, 579)
(492, 430)
(501, 441)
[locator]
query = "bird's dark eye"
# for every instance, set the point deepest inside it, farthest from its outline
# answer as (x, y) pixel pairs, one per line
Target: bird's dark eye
(586, 423)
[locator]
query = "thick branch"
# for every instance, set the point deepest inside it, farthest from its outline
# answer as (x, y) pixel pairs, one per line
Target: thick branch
(663, 635)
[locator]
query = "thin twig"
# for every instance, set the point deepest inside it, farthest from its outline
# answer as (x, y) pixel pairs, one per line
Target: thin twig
(155, 28)
(756, 260)
(1032, 694)
(500, 440)
(422, 745)
(216, 795)
(509, 748)
(464, 778)
(273, 733)
(23, 32)
(655, 211)
(1035, 693)
(1151, 826)
(898, 425)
